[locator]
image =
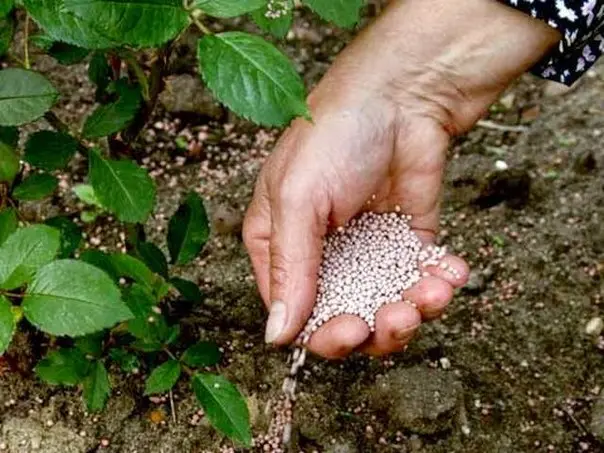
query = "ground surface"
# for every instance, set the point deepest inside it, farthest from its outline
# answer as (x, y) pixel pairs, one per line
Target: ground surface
(509, 369)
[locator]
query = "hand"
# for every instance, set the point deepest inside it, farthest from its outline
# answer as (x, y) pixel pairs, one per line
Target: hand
(382, 120)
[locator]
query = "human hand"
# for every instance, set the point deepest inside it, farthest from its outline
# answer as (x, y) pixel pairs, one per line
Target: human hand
(382, 120)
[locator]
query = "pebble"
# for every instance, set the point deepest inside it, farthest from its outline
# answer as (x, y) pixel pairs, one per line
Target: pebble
(594, 327)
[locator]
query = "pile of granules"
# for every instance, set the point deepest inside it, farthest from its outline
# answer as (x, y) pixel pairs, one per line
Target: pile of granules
(366, 264)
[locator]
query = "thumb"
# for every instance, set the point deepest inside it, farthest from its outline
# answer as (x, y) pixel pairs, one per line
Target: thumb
(296, 244)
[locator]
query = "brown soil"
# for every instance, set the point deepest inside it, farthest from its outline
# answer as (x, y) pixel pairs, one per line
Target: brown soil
(513, 344)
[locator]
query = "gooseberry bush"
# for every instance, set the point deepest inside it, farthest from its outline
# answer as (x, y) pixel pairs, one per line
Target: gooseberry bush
(106, 308)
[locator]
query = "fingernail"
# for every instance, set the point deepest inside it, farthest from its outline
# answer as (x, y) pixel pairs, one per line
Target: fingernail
(276, 321)
(406, 334)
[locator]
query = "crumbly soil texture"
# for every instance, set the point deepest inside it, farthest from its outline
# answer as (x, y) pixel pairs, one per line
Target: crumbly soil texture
(515, 365)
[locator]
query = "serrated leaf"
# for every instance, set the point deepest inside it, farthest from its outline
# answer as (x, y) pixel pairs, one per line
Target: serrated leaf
(224, 406)
(7, 29)
(24, 96)
(85, 192)
(6, 6)
(8, 224)
(252, 77)
(127, 361)
(228, 8)
(91, 345)
(188, 230)
(24, 252)
(142, 23)
(276, 26)
(187, 289)
(71, 235)
(204, 353)
(147, 325)
(35, 187)
(100, 260)
(65, 366)
(153, 257)
(42, 41)
(9, 136)
(63, 25)
(97, 387)
(122, 187)
(9, 163)
(50, 150)
(67, 54)
(69, 297)
(343, 13)
(163, 378)
(7, 324)
(111, 118)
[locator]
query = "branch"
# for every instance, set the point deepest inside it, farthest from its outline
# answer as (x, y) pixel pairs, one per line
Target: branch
(58, 125)
(26, 43)
(500, 127)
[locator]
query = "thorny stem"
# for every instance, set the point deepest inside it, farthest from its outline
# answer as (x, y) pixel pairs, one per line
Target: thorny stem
(26, 43)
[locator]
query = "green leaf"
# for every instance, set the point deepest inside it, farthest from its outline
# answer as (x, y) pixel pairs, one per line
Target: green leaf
(63, 25)
(24, 96)
(204, 353)
(111, 118)
(7, 324)
(6, 6)
(224, 406)
(99, 71)
(42, 41)
(67, 54)
(9, 136)
(69, 297)
(134, 269)
(35, 187)
(343, 13)
(147, 325)
(85, 193)
(65, 366)
(24, 252)
(7, 29)
(97, 387)
(252, 77)
(127, 361)
(122, 187)
(276, 26)
(9, 163)
(187, 289)
(71, 235)
(153, 257)
(91, 345)
(100, 260)
(228, 8)
(163, 378)
(188, 230)
(8, 224)
(50, 150)
(144, 23)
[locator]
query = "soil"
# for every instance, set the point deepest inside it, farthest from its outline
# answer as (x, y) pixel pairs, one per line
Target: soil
(509, 368)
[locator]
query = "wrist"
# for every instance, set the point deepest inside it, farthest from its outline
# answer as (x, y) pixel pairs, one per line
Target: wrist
(446, 59)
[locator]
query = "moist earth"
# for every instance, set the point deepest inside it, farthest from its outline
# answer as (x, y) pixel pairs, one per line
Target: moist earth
(512, 367)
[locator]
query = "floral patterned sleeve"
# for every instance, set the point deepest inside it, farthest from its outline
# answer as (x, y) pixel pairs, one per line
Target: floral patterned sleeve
(581, 22)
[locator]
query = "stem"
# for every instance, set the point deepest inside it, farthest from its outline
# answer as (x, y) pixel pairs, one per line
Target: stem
(9, 294)
(61, 126)
(26, 43)
(201, 26)
(185, 368)
(16, 59)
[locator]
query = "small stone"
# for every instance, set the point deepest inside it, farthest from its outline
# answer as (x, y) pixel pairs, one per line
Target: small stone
(501, 165)
(594, 327)
(476, 282)
(186, 93)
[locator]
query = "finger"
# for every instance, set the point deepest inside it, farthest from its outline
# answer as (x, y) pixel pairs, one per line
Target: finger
(395, 326)
(256, 235)
(339, 337)
(452, 269)
(299, 216)
(430, 295)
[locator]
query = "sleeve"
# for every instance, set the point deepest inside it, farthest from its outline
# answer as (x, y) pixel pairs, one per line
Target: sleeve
(581, 23)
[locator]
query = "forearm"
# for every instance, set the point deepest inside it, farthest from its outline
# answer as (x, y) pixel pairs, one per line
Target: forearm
(458, 55)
